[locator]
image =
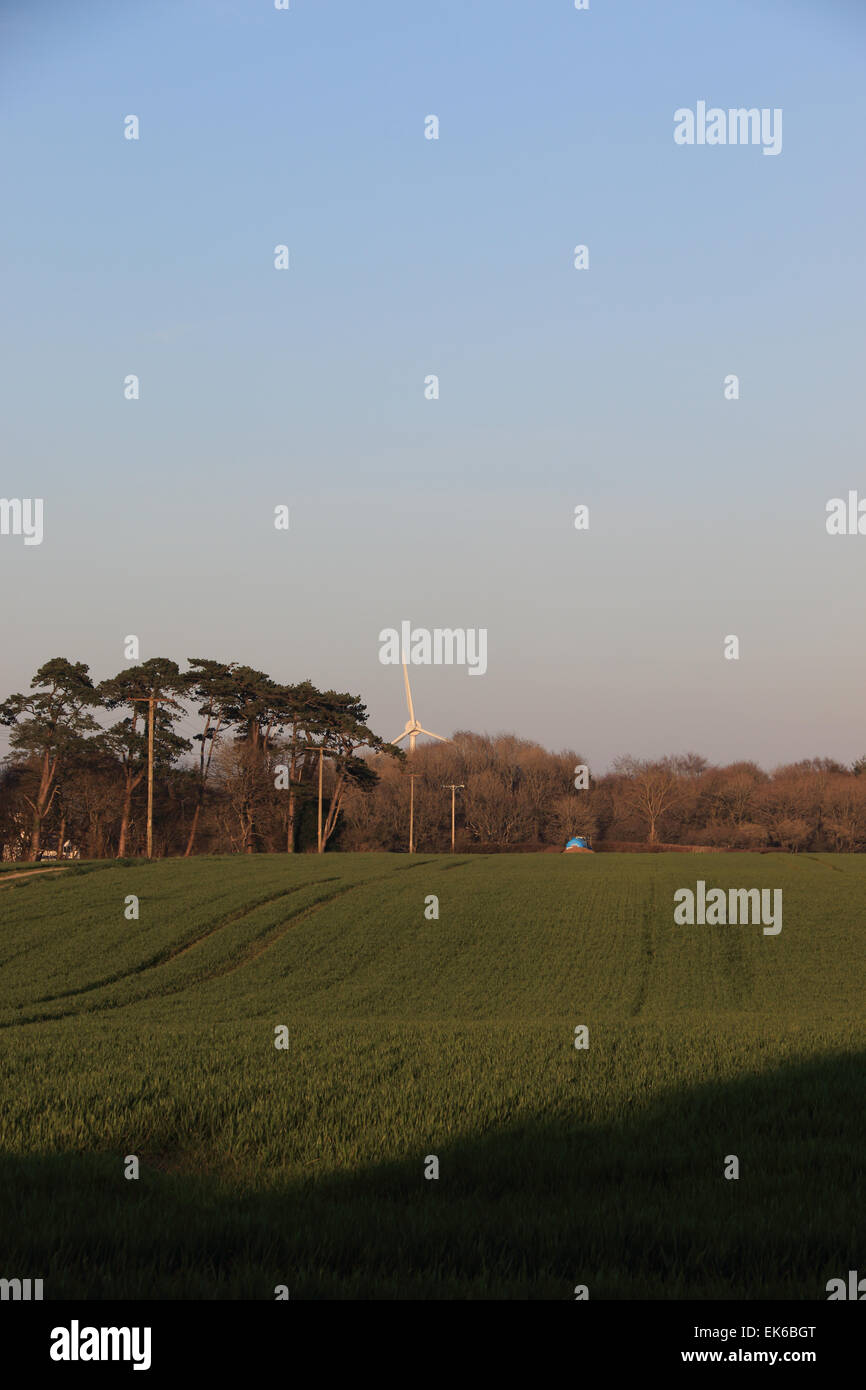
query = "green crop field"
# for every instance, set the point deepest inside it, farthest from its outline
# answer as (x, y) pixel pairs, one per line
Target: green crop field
(411, 1037)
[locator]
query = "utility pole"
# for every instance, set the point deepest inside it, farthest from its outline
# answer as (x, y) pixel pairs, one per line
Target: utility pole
(455, 787)
(150, 701)
(321, 756)
(412, 776)
(150, 721)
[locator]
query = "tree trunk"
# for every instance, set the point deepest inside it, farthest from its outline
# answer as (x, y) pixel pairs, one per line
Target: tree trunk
(42, 806)
(204, 769)
(191, 841)
(124, 823)
(35, 836)
(126, 815)
(290, 831)
(333, 809)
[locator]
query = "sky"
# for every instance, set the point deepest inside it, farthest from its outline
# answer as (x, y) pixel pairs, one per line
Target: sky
(410, 257)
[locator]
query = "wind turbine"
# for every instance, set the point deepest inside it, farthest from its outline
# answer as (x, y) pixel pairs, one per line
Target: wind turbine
(413, 728)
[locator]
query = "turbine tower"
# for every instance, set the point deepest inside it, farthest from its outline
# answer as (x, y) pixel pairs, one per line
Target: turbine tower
(413, 728)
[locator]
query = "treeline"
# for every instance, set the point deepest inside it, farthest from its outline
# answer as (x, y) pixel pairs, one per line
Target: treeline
(244, 782)
(517, 795)
(247, 778)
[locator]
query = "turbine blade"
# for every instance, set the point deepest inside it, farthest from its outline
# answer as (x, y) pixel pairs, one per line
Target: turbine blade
(408, 692)
(429, 735)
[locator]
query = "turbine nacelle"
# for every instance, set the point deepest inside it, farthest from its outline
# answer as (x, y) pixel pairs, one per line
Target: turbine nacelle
(413, 728)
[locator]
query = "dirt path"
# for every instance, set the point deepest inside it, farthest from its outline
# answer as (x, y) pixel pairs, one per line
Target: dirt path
(25, 873)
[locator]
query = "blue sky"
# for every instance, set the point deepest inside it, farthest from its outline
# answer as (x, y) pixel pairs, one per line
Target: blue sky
(453, 257)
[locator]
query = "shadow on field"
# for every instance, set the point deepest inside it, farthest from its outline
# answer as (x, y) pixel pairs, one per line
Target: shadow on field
(640, 1209)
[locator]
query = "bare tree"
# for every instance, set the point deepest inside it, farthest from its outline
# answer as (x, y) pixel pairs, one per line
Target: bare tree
(649, 788)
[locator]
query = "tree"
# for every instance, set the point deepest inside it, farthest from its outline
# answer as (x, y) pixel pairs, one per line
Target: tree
(749, 835)
(344, 722)
(793, 833)
(14, 811)
(47, 725)
(376, 813)
(844, 813)
(691, 765)
(732, 791)
(211, 682)
(238, 772)
(153, 684)
(256, 707)
(494, 813)
(305, 714)
(650, 788)
(573, 815)
(89, 796)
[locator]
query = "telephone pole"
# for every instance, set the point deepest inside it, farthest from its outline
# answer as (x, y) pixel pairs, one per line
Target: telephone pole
(455, 787)
(321, 756)
(150, 701)
(412, 776)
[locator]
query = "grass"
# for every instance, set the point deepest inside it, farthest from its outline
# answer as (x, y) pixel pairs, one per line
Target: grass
(411, 1037)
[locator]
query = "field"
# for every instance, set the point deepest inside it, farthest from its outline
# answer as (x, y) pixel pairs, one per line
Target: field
(410, 1037)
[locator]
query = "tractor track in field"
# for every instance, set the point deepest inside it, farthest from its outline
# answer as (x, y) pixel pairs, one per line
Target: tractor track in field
(647, 957)
(822, 864)
(261, 945)
(648, 951)
(172, 953)
(739, 973)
